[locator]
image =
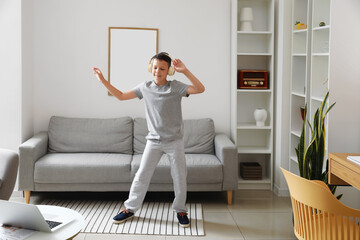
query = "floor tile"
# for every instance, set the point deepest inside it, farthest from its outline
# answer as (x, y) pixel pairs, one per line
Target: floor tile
(279, 204)
(254, 194)
(265, 225)
(221, 226)
(215, 207)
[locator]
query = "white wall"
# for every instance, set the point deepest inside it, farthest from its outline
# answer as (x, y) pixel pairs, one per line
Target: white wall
(27, 118)
(10, 77)
(282, 89)
(71, 36)
(344, 118)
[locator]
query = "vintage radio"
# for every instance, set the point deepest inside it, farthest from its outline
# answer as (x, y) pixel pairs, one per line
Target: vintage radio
(253, 79)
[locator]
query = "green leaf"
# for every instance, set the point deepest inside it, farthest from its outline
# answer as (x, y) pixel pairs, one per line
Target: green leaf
(311, 158)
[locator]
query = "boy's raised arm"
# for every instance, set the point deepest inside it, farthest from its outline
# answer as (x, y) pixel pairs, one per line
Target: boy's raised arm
(197, 86)
(114, 91)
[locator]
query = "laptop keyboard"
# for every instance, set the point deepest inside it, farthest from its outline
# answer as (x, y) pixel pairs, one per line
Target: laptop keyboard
(52, 224)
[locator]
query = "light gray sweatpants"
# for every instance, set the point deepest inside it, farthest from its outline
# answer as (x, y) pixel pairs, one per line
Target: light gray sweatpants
(151, 157)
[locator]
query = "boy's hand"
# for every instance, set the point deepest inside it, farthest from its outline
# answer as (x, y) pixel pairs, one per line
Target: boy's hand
(98, 73)
(179, 66)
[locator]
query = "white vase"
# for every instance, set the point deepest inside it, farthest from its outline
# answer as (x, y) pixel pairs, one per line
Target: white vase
(246, 19)
(260, 116)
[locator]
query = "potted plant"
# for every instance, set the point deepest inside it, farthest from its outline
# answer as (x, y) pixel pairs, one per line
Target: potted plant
(311, 158)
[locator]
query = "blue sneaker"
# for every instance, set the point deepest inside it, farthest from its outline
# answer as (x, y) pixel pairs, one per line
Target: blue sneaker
(183, 219)
(123, 216)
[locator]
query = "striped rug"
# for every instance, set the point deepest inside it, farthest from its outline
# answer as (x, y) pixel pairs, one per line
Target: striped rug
(154, 218)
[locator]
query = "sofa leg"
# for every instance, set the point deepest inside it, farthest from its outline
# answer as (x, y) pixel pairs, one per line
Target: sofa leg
(229, 197)
(27, 196)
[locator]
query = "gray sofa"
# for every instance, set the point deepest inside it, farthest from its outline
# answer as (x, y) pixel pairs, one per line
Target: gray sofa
(9, 163)
(83, 154)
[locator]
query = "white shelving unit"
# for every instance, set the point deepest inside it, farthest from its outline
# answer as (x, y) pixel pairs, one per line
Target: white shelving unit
(253, 50)
(310, 66)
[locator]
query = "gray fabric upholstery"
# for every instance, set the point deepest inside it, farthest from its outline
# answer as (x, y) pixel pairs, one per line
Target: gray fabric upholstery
(198, 135)
(83, 168)
(140, 132)
(226, 152)
(9, 163)
(106, 187)
(201, 168)
(90, 135)
(211, 160)
(29, 152)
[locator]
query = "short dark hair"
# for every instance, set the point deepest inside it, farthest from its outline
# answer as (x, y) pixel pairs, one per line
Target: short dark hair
(162, 56)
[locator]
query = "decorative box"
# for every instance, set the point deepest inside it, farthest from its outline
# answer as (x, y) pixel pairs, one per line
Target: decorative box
(250, 171)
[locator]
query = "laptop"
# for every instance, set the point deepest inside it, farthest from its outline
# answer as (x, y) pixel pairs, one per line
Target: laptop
(29, 216)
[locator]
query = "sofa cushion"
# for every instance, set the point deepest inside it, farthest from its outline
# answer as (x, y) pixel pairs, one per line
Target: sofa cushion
(199, 135)
(140, 133)
(201, 168)
(83, 168)
(90, 135)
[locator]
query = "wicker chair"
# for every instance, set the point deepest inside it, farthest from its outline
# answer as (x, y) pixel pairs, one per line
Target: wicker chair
(318, 214)
(9, 163)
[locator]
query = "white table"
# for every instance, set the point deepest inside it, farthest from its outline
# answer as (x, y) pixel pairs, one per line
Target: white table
(69, 231)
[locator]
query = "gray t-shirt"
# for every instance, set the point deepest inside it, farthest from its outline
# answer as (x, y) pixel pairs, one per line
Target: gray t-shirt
(163, 109)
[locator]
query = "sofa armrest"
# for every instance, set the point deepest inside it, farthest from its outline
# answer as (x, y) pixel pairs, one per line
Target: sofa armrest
(29, 152)
(226, 152)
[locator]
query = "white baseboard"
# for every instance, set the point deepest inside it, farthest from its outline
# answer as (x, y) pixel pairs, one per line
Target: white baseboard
(281, 192)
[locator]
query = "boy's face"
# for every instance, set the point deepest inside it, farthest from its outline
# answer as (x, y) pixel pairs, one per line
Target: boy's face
(160, 70)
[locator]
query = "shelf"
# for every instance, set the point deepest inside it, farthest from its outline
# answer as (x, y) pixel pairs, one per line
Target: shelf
(254, 91)
(296, 133)
(320, 54)
(298, 94)
(299, 55)
(321, 28)
(294, 159)
(253, 54)
(300, 31)
(254, 32)
(253, 50)
(251, 149)
(309, 74)
(251, 125)
(264, 180)
(317, 99)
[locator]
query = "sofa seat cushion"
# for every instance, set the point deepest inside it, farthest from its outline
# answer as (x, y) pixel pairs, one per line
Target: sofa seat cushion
(91, 135)
(201, 168)
(83, 168)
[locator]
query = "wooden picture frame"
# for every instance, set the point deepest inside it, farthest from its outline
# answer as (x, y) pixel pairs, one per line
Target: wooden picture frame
(130, 50)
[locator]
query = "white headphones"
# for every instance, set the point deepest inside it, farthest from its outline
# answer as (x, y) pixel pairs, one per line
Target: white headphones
(171, 68)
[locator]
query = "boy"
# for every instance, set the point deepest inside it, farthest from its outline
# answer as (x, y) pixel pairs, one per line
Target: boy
(164, 121)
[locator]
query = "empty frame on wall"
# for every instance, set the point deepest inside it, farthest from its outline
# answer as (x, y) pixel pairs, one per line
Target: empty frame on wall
(130, 50)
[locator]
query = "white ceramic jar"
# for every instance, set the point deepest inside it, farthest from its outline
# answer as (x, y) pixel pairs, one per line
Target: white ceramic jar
(260, 116)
